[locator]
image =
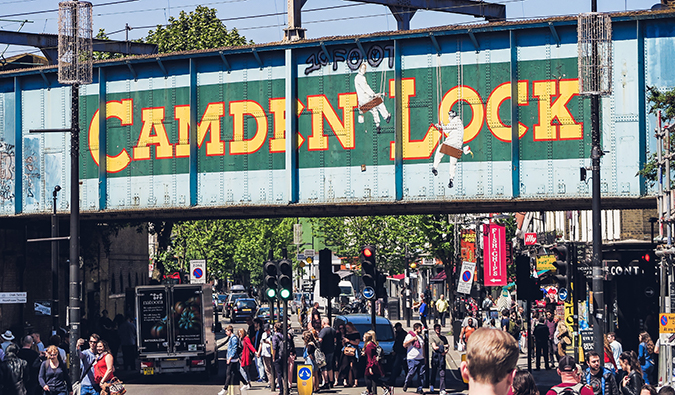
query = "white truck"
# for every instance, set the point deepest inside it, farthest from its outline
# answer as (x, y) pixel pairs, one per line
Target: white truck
(175, 329)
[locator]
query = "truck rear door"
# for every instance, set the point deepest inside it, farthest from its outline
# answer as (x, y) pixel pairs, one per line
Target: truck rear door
(187, 310)
(152, 312)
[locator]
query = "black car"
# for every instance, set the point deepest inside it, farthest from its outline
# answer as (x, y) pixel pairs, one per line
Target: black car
(229, 304)
(242, 308)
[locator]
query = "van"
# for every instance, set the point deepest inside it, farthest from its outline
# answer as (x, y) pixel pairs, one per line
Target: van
(347, 289)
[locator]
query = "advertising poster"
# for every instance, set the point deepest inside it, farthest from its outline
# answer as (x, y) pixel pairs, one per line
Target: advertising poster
(494, 256)
(152, 316)
(187, 318)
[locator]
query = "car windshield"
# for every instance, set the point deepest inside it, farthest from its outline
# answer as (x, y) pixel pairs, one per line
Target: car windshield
(222, 298)
(346, 290)
(246, 304)
(234, 297)
(383, 331)
(266, 310)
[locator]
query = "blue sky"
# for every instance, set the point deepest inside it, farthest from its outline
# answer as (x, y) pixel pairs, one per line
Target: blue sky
(263, 20)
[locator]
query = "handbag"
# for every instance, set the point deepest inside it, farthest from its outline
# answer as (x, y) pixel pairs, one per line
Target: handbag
(349, 351)
(114, 386)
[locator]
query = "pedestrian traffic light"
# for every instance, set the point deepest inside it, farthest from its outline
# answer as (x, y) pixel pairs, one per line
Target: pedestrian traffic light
(562, 265)
(381, 289)
(285, 280)
(368, 266)
(271, 272)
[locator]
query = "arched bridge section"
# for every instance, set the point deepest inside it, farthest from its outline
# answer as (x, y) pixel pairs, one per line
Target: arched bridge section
(286, 128)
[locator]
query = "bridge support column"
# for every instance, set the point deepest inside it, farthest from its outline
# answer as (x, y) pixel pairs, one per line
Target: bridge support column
(291, 95)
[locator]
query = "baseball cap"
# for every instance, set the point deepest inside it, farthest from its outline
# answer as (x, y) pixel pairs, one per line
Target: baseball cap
(567, 364)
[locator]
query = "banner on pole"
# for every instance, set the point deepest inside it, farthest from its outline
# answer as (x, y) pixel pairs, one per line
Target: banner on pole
(494, 258)
(466, 277)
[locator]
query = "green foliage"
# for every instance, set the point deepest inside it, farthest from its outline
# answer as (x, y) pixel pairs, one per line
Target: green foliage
(664, 102)
(200, 29)
(230, 246)
(101, 35)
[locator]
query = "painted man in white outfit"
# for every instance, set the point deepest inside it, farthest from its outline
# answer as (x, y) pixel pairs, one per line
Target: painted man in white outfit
(364, 95)
(454, 132)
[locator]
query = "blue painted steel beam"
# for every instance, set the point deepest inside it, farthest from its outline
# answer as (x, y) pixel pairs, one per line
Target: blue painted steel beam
(474, 40)
(193, 133)
(398, 122)
(161, 66)
(131, 69)
(435, 42)
(102, 141)
(291, 158)
(225, 62)
(18, 148)
(554, 32)
(642, 102)
(515, 138)
(490, 11)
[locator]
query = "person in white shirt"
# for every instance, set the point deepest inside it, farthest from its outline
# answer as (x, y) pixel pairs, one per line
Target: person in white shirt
(414, 342)
(7, 338)
(616, 347)
(265, 352)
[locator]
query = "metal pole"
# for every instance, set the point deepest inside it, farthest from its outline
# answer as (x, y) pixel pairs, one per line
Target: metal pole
(284, 361)
(55, 266)
(74, 303)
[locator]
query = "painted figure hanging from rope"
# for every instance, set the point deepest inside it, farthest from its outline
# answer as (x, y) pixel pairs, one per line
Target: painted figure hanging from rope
(452, 146)
(369, 101)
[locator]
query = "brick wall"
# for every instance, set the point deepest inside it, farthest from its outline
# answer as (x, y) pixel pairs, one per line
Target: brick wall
(635, 224)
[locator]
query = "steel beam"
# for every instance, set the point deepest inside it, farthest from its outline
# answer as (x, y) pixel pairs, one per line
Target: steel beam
(479, 9)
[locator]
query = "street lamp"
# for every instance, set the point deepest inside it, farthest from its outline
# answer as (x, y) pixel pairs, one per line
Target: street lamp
(55, 265)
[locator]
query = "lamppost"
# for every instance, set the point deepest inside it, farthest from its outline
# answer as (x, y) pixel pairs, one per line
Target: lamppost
(55, 265)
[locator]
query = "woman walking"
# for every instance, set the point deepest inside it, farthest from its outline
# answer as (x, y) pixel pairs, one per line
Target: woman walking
(632, 382)
(105, 365)
(53, 376)
(232, 374)
(645, 356)
(310, 347)
(563, 338)
(373, 373)
(350, 355)
(247, 349)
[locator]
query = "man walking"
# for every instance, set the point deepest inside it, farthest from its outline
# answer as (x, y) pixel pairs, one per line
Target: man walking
(415, 357)
(567, 370)
(552, 324)
(439, 349)
(616, 347)
(316, 317)
(541, 342)
(399, 353)
(327, 340)
(490, 365)
(442, 307)
(598, 377)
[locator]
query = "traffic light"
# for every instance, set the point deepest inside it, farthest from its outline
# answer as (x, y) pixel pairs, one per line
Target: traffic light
(562, 264)
(368, 266)
(381, 289)
(271, 272)
(285, 280)
(528, 288)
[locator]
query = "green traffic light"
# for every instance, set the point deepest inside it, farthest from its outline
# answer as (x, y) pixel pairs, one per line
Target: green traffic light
(271, 293)
(285, 293)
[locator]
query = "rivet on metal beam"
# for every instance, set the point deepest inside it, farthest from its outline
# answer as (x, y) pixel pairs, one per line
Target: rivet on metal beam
(435, 42)
(358, 44)
(133, 72)
(554, 33)
(44, 77)
(474, 40)
(257, 57)
(161, 66)
(225, 62)
(325, 50)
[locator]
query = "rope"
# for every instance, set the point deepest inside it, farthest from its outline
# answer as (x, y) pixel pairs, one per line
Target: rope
(439, 85)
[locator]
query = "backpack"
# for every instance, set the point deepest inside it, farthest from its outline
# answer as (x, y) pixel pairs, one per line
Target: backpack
(240, 346)
(423, 310)
(514, 328)
(573, 390)
(319, 357)
(379, 353)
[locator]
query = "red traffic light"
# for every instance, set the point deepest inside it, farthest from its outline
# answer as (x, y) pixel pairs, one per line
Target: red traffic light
(646, 257)
(367, 252)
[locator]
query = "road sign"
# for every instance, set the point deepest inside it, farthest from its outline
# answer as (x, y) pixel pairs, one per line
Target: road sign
(368, 292)
(198, 271)
(466, 278)
(12, 297)
(545, 262)
(562, 294)
(304, 380)
(300, 257)
(667, 323)
(309, 253)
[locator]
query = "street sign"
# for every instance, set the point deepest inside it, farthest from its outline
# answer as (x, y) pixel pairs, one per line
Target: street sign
(12, 297)
(310, 253)
(197, 271)
(466, 277)
(368, 292)
(494, 258)
(304, 380)
(530, 239)
(545, 262)
(667, 323)
(300, 257)
(42, 307)
(587, 339)
(562, 294)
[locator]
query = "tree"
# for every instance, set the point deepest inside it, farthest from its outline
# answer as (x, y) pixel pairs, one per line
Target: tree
(200, 29)
(665, 102)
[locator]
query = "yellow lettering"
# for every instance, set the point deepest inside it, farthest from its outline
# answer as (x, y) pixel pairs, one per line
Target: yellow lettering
(278, 109)
(153, 119)
(240, 145)
(344, 131)
(412, 149)
(565, 128)
(210, 122)
(124, 111)
(497, 97)
(468, 95)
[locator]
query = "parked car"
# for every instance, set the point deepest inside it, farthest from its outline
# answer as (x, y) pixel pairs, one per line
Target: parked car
(238, 288)
(264, 313)
(243, 308)
(383, 329)
(231, 298)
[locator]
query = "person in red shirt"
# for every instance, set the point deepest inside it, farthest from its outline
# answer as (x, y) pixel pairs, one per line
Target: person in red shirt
(570, 377)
